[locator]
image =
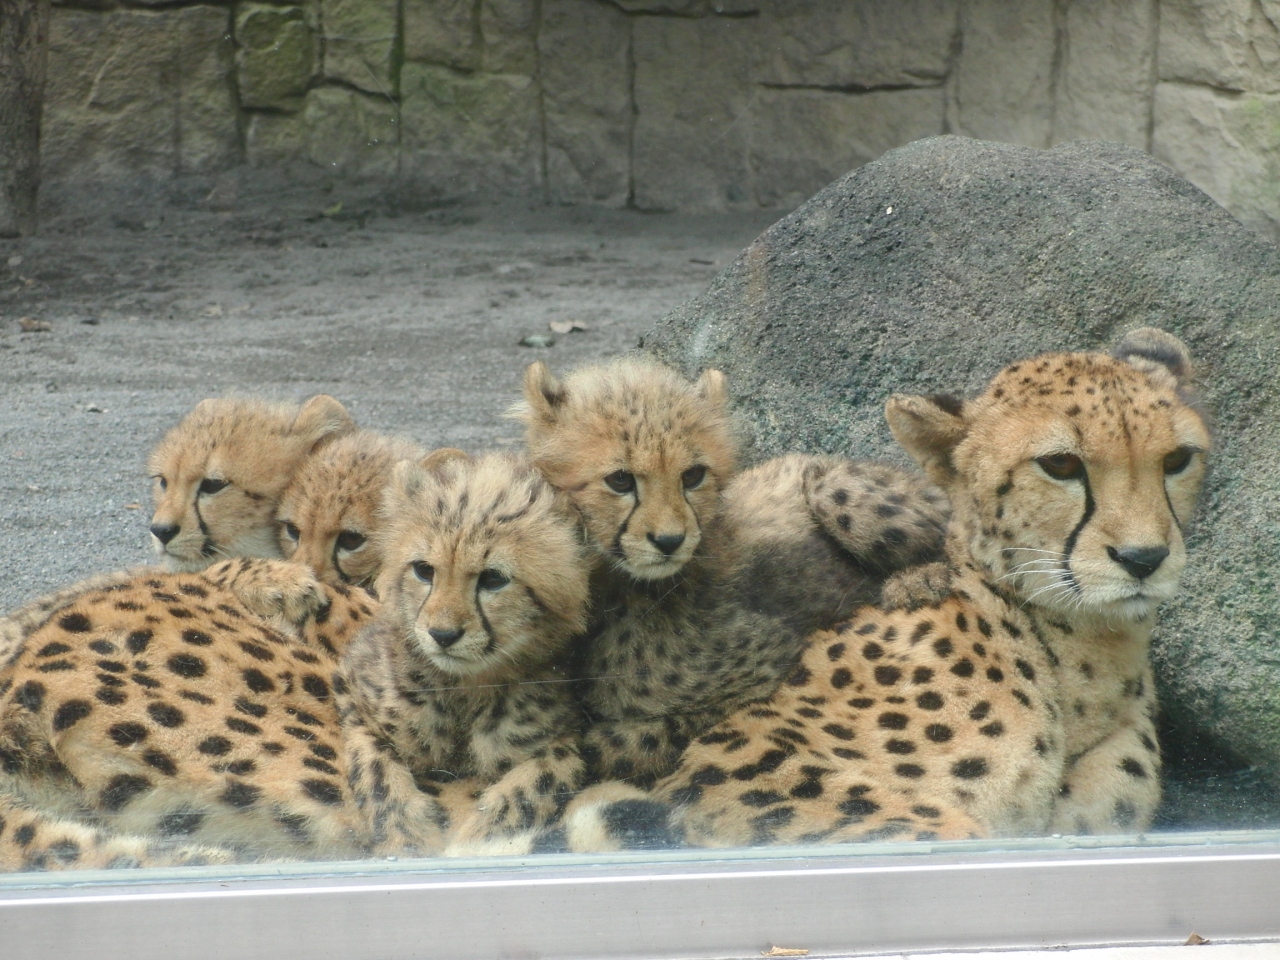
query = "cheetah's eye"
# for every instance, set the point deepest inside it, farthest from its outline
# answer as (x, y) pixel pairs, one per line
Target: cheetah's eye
(349, 540)
(211, 485)
(1062, 466)
(620, 481)
(693, 477)
(291, 531)
(424, 571)
(492, 579)
(162, 483)
(1177, 461)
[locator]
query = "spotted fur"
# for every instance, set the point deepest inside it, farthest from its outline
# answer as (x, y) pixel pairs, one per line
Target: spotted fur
(692, 618)
(218, 475)
(484, 584)
(1020, 702)
(170, 707)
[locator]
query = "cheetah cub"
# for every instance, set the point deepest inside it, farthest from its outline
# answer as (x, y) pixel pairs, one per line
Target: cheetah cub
(220, 472)
(1020, 704)
(692, 618)
(485, 581)
(328, 515)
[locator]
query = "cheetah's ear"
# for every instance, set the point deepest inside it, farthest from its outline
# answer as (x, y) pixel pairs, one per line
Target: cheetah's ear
(714, 387)
(408, 477)
(438, 458)
(322, 418)
(1153, 351)
(543, 395)
(928, 428)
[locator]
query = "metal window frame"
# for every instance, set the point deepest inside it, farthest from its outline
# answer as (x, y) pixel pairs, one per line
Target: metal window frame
(704, 904)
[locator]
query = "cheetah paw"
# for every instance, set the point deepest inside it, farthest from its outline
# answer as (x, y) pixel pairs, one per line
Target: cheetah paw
(281, 591)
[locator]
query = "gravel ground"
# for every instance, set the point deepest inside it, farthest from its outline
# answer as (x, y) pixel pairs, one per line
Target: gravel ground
(412, 319)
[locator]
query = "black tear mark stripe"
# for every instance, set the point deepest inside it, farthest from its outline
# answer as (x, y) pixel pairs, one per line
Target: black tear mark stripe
(1069, 547)
(617, 539)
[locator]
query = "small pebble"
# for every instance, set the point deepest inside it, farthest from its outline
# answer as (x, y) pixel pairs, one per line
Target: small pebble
(537, 340)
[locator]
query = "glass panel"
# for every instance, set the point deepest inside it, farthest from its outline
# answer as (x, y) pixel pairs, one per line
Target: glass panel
(359, 224)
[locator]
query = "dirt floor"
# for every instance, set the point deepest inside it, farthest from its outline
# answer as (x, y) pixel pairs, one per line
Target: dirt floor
(413, 320)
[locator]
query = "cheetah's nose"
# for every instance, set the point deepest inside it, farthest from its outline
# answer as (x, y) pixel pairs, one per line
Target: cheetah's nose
(164, 532)
(1140, 562)
(668, 543)
(446, 638)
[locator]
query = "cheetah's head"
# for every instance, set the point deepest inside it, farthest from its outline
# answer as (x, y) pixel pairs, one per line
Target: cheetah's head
(642, 453)
(218, 475)
(485, 571)
(329, 512)
(1073, 475)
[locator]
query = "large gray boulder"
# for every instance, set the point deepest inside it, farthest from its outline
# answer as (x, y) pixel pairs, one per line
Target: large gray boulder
(930, 269)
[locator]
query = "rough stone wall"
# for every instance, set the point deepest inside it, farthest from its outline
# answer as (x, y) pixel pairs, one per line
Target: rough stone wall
(657, 104)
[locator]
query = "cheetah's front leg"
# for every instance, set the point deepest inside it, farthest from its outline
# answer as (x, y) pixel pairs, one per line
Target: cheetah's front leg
(400, 818)
(531, 795)
(1112, 788)
(284, 594)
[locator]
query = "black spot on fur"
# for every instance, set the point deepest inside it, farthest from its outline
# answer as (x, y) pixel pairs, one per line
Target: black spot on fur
(214, 746)
(938, 732)
(30, 695)
(53, 649)
(127, 734)
(166, 715)
(256, 651)
(160, 761)
(970, 768)
(75, 623)
(1133, 768)
(240, 795)
(109, 696)
(242, 726)
(929, 701)
(963, 668)
(892, 721)
(315, 686)
(187, 665)
(887, 676)
(250, 708)
(322, 791)
(71, 713)
(120, 789)
(257, 681)
(180, 824)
